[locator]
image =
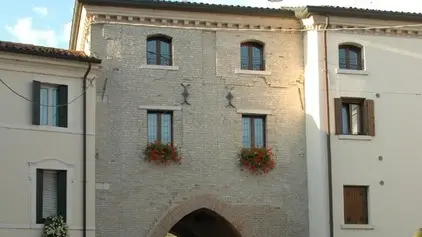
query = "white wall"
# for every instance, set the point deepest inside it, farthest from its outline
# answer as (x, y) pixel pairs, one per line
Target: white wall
(316, 130)
(25, 147)
(393, 65)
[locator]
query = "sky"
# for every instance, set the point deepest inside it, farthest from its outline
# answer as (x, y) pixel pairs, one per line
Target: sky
(48, 22)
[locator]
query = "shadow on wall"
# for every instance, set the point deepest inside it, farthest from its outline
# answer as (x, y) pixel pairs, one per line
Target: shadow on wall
(203, 222)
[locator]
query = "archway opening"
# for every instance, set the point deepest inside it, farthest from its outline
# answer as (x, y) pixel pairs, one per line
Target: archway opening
(203, 223)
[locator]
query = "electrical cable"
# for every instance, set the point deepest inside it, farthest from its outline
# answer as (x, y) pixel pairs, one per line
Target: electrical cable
(31, 101)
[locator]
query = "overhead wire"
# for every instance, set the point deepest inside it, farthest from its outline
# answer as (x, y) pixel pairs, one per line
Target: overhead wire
(46, 105)
(211, 28)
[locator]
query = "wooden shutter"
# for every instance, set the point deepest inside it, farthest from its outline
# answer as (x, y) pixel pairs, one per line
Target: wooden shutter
(370, 117)
(338, 115)
(62, 109)
(61, 193)
(355, 205)
(39, 200)
(36, 86)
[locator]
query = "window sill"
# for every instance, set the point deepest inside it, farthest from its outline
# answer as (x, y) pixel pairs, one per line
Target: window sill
(43, 128)
(160, 67)
(252, 72)
(38, 226)
(352, 72)
(357, 227)
(355, 137)
(160, 107)
(254, 111)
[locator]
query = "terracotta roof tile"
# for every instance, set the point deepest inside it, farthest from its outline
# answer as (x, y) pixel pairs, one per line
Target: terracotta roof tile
(192, 6)
(12, 47)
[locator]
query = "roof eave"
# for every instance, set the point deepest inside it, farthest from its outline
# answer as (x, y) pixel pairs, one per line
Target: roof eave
(195, 7)
(358, 13)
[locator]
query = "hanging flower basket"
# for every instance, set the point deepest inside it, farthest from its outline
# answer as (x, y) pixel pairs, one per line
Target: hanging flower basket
(257, 160)
(162, 153)
(55, 226)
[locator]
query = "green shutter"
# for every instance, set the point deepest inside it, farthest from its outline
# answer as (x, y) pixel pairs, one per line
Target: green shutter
(61, 193)
(36, 86)
(39, 207)
(62, 110)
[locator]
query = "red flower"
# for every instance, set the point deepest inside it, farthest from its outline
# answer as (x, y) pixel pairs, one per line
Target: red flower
(257, 160)
(162, 153)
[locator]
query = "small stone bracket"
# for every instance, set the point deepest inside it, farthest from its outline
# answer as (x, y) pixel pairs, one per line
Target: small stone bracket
(230, 97)
(185, 93)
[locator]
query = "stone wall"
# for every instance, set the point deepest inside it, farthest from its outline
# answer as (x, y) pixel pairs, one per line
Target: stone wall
(144, 199)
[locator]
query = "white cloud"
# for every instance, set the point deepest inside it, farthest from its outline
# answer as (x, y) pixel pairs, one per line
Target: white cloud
(66, 31)
(25, 32)
(42, 11)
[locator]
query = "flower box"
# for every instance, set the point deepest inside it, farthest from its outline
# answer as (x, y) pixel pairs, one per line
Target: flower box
(55, 226)
(162, 153)
(257, 160)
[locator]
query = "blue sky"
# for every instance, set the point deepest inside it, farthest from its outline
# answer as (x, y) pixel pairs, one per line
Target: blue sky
(47, 22)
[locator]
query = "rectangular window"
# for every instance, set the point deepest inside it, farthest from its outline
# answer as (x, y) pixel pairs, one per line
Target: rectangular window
(49, 104)
(354, 116)
(160, 126)
(51, 194)
(355, 204)
(253, 134)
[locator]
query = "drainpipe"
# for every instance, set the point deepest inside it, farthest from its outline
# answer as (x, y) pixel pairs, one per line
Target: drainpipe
(327, 96)
(84, 148)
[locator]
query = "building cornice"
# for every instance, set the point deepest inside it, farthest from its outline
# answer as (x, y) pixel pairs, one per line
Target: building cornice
(352, 12)
(33, 64)
(362, 26)
(169, 22)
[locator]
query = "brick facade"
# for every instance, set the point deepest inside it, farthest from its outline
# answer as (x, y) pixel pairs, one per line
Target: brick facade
(147, 200)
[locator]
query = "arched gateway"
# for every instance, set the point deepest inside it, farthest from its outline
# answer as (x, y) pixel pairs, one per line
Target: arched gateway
(200, 216)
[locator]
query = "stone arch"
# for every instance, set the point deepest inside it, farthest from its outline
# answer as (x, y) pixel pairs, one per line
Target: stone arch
(192, 204)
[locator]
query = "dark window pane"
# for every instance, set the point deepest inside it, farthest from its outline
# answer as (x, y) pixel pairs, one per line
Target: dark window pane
(352, 118)
(165, 53)
(152, 52)
(350, 57)
(152, 127)
(342, 59)
(345, 117)
(251, 57)
(253, 131)
(354, 59)
(257, 58)
(166, 128)
(246, 132)
(259, 132)
(355, 119)
(244, 57)
(160, 127)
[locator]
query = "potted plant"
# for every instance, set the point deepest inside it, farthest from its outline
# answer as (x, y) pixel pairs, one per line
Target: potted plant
(159, 152)
(257, 160)
(55, 226)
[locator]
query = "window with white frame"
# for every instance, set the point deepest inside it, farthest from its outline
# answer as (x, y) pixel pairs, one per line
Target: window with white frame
(48, 105)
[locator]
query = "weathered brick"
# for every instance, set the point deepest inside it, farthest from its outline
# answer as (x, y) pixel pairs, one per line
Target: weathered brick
(145, 199)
